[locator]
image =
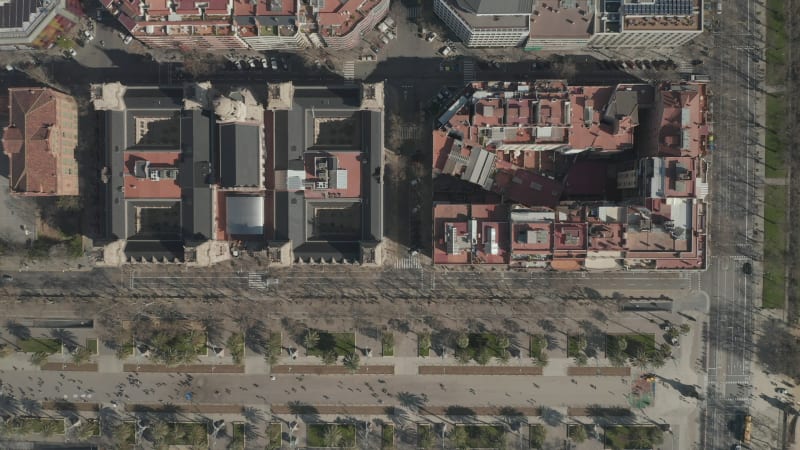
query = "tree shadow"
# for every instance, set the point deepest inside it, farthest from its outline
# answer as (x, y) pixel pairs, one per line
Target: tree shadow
(414, 402)
(512, 418)
(18, 330)
(547, 325)
(253, 415)
(306, 412)
(9, 405)
(31, 407)
(66, 337)
(551, 417)
(458, 413)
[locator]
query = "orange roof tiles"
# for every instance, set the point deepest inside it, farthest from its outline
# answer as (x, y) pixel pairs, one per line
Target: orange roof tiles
(144, 187)
(349, 161)
(41, 140)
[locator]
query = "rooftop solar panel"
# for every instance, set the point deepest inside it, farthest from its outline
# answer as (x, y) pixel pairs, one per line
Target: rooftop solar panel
(16, 12)
(659, 8)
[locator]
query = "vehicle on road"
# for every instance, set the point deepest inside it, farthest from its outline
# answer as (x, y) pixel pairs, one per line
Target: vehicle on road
(748, 426)
(7, 278)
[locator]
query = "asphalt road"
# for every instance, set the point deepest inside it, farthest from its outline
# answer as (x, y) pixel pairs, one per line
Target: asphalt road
(348, 282)
(736, 68)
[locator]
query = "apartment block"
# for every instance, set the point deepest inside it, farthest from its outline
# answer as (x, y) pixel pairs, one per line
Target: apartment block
(487, 23)
(30, 24)
(255, 24)
(639, 24)
(533, 162)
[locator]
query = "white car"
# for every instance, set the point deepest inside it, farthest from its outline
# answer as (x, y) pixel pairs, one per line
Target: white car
(72, 52)
(89, 36)
(252, 63)
(274, 63)
(264, 63)
(431, 37)
(127, 39)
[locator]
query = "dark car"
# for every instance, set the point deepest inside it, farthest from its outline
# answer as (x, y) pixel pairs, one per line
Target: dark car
(747, 268)
(697, 62)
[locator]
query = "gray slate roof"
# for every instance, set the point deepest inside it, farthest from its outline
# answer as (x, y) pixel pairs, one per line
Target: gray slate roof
(497, 7)
(240, 156)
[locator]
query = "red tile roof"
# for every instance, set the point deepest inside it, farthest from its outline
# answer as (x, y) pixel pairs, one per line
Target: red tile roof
(144, 187)
(41, 139)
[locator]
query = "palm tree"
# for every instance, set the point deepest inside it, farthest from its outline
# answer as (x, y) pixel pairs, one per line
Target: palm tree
(538, 434)
(329, 357)
(581, 343)
(458, 437)
(47, 427)
(235, 345)
(159, 432)
(640, 360)
(462, 340)
(622, 344)
(577, 433)
(272, 350)
(483, 357)
(463, 356)
(81, 355)
(332, 437)
(311, 339)
(657, 359)
(503, 342)
(387, 339)
(352, 361)
(424, 341)
(425, 438)
(39, 358)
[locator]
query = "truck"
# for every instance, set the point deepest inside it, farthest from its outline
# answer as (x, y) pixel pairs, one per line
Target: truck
(748, 426)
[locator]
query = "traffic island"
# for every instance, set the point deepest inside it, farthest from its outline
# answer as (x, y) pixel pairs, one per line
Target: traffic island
(70, 367)
(311, 369)
(479, 370)
(185, 368)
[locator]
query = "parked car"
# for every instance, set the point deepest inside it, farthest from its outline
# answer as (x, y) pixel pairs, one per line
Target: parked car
(431, 37)
(273, 62)
(264, 63)
(780, 390)
(252, 63)
(237, 64)
(127, 40)
(285, 64)
(88, 35)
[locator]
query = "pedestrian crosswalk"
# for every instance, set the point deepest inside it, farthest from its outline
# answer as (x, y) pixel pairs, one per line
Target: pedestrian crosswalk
(409, 133)
(469, 70)
(409, 262)
(414, 12)
(256, 281)
(349, 71)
